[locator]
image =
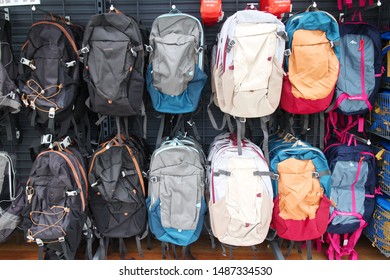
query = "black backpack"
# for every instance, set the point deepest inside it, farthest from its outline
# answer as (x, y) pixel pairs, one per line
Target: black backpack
(9, 98)
(113, 56)
(56, 202)
(50, 74)
(117, 192)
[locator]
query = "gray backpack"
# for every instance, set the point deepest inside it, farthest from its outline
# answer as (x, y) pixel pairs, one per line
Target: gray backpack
(11, 197)
(174, 75)
(176, 203)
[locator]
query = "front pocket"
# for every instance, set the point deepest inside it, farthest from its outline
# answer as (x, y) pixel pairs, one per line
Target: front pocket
(110, 64)
(180, 202)
(299, 193)
(245, 191)
(254, 50)
(313, 66)
(173, 63)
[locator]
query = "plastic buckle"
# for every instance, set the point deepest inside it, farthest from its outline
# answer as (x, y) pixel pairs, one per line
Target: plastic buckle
(27, 62)
(123, 174)
(61, 239)
(84, 50)
(287, 52)
(153, 179)
(190, 122)
(46, 139)
(315, 175)
(71, 63)
(275, 177)
(39, 242)
(230, 45)
(65, 143)
(134, 53)
(52, 112)
(148, 48)
(240, 119)
(71, 193)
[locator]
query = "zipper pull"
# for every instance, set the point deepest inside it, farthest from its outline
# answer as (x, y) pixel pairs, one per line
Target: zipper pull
(361, 45)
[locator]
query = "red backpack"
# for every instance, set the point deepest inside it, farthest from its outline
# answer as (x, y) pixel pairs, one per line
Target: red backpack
(211, 11)
(276, 7)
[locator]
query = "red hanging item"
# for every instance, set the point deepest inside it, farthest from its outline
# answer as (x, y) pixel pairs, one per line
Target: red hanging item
(275, 7)
(211, 11)
(348, 3)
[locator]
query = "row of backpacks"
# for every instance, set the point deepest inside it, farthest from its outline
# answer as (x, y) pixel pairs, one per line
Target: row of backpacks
(107, 199)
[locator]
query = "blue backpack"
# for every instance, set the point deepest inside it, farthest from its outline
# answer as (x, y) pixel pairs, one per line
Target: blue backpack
(353, 196)
(360, 67)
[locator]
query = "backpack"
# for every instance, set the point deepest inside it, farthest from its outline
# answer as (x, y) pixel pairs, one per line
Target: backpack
(11, 197)
(301, 191)
(311, 63)
(240, 197)
(50, 74)
(176, 203)
(113, 56)
(117, 192)
(247, 71)
(211, 12)
(353, 184)
(361, 67)
(56, 201)
(175, 76)
(9, 94)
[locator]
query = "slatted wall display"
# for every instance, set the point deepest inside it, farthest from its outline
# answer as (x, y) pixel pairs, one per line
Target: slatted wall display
(79, 12)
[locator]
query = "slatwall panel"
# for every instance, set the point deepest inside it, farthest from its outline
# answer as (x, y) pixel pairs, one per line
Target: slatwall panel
(147, 10)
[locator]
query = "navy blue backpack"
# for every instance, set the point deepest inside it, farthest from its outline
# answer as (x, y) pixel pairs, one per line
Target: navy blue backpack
(353, 185)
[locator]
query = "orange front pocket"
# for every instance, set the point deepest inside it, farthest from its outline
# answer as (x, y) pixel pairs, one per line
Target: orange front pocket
(299, 189)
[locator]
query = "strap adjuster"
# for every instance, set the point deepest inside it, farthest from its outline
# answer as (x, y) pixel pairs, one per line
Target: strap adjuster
(28, 62)
(70, 63)
(287, 52)
(65, 143)
(84, 50)
(46, 139)
(52, 112)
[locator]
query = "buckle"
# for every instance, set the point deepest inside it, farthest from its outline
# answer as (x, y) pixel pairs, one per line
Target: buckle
(65, 143)
(134, 53)
(46, 139)
(148, 48)
(84, 50)
(28, 62)
(61, 239)
(70, 64)
(94, 184)
(123, 174)
(315, 175)
(52, 112)
(287, 52)
(153, 179)
(39, 242)
(275, 177)
(72, 193)
(190, 122)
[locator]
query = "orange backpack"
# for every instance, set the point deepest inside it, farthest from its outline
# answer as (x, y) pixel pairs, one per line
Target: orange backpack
(211, 11)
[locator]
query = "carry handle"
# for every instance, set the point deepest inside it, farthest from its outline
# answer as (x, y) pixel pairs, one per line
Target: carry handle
(251, 6)
(357, 13)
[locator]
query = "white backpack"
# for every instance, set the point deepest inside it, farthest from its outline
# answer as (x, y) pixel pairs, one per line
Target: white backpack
(240, 192)
(247, 71)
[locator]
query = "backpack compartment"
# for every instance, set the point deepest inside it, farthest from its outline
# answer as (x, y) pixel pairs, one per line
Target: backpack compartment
(173, 62)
